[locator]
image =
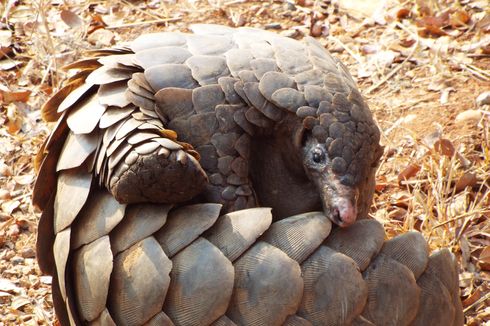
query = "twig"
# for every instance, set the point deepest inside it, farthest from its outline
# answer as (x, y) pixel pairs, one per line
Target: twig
(485, 297)
(346, 48)
(475, 71)
(146, 12)
(397, 68)
(233, 2)
(149, 22)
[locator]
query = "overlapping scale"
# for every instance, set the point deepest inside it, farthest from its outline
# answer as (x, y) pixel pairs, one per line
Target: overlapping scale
(393, 294)
(92, 271)
(268, 287)
(299, 236)
(334, 292)
(201, 284)
(185, 224)
(235, 232)
(137, 273)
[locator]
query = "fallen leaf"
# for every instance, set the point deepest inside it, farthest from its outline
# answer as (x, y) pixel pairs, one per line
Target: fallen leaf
(432, 25)
(19, 302)
(46, 279)
(102, 37)
(402, 13)
(459, 18)
(484, 259)
(21, 96)
(10, 206)
(14, 122)
(466, 180)
(5, 194)
(8, 286)
(469, 116)
(398, 214)
(445, 147)
(407, 42)
(24, 180)
(401, 200)
(474, 297)
(410, 171)
(5, 38)
(8, 64)
(71, 19)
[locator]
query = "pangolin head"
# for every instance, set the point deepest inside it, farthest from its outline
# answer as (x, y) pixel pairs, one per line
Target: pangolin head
(340, 152)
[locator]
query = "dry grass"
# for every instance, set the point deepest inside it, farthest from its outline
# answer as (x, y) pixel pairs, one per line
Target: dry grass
(418, 77)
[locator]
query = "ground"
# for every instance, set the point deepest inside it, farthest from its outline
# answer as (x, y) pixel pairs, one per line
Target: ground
(423, 66)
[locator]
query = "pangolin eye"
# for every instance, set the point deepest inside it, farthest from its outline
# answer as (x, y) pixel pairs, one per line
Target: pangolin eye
(318, 155)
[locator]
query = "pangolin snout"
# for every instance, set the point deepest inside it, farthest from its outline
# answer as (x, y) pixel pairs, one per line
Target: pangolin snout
(343, 212)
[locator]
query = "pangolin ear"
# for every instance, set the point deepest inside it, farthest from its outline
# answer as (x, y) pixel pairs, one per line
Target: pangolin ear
(299, 137)
(377, 155)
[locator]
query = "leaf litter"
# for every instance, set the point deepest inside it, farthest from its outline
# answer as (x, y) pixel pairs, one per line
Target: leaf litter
(424, 67)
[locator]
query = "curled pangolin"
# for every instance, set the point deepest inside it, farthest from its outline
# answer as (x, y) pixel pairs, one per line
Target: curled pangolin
(156, 139)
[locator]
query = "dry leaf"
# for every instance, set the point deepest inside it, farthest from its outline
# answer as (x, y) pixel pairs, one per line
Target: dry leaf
(474, 297)
(469, 116)
(102, 37)
(9, 206)
(25, 179)
(5, 43)
(4, 194)
(466, 180)
(9, 97)
(8, 64)
(410, 171)
(445, 147)
(19, 302)
(71, 19)
(8, 286)
(14, 123)
(398, 214)
(432, 25)
(402, 13)
(484, 259)
(401, 199)
(459, 18)
(407, 42)
(5, 38)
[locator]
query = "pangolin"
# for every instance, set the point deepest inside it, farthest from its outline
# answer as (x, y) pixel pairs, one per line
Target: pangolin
(156, 138)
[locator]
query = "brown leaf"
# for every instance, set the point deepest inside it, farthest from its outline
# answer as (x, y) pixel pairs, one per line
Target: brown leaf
(102, 37)
(466, 180)
(407, 42)
(472, 298)
(433, 25)
(21, 96)
(401, 199)
(445, 147)
(459, 18)
(484, 259)
(398, 214)
(14, 123)
(71, 19)
(410, 171)
(402, 13)
(5, 194)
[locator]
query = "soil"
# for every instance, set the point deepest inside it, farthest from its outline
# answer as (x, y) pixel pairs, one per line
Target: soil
(421, 66)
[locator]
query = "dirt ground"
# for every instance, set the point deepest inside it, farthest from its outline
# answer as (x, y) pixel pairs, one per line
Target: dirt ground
(424, 67)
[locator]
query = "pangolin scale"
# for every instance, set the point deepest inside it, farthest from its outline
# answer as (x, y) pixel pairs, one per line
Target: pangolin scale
(155, 184)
